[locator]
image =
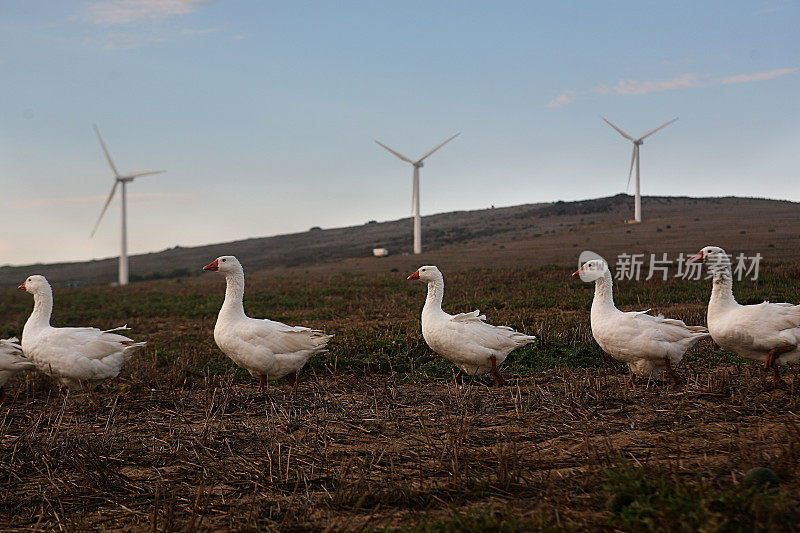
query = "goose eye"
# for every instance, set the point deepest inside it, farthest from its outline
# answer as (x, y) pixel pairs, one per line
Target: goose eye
(224, 260)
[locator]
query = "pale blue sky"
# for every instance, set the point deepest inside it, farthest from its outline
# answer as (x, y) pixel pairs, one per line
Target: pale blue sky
(264, 113)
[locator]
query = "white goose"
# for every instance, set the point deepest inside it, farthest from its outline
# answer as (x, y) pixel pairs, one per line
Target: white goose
(648, 344)
(265, 348)
(76, 357)
(11, 362)
(465, 339)
(768, 332)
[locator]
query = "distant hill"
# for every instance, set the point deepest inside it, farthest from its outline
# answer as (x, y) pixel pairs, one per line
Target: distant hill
(529, 234)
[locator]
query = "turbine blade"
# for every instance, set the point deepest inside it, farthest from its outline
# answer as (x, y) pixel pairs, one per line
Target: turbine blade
(618, 130)
(658, 128)
(630, 172)
(437, 147)
(401, 156)
(103, 212)
(142, 173)
(105, 150)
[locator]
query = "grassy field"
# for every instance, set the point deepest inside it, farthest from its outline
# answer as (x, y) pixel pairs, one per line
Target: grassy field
(379, 437)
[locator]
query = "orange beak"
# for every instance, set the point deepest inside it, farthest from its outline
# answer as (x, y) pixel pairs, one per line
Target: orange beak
(578, 272)
(696, 258)
(22, 287)
(415, 275)
(213, 266)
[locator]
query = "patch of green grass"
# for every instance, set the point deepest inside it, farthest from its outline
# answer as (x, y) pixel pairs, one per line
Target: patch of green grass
(543, 356)
(641, 500)
(716, 357)
(486, 519)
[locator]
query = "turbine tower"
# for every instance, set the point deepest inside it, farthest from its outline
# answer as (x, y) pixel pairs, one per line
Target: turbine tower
(415, 193)
(637, 211)
(124, 179)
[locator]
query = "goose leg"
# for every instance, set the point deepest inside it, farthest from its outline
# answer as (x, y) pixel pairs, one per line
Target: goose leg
(776, 375)
(772, 361)
(260, 383)
(673, 377)
(498, 377)
(457, 379)
(291, 378)
(631, 383)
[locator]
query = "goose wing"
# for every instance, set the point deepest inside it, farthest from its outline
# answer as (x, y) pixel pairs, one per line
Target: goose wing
(474, 328)
(91, 343)
(11, 358)
(280, 338)
(669, 329)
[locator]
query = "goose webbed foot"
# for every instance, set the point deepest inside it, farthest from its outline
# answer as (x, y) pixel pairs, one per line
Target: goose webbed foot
(499, 380)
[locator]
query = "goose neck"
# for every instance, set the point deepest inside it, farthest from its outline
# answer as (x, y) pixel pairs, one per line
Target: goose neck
(722, 286)
(42, 307)
(603, 291)
(435, 294)
(234, 293)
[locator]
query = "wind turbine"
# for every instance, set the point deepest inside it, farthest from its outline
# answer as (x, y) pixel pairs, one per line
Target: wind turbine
(124, 179)
(418, 164)
(637, 210)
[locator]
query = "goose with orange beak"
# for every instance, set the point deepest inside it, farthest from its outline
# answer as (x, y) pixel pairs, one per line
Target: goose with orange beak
(79, 358)
(768, 332)
(465, 340)
(648, 344)
(265, 348)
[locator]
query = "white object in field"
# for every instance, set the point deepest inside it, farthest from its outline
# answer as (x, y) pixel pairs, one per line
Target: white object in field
(647, 344)
(464, 339)
(11, 360)
(768, 332)
(77, 357)
(415, 192)
(637, 210)
(265, 348)
(124, 179)
(380, 252)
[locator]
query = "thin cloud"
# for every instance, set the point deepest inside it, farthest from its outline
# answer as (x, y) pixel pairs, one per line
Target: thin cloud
(115, 12)
(685, 81)
(122, 40)
(758, 76)
(200, 31)
(78, 201)
(643, 87)
(562, 99)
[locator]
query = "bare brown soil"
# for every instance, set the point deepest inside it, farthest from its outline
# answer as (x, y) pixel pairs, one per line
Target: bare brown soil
(354, 451)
